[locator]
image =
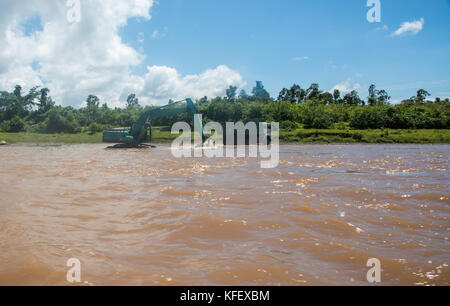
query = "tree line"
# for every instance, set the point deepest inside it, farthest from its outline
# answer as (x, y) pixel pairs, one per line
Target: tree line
(295, 107)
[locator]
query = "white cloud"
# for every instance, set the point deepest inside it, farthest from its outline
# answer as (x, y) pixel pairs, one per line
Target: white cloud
(346, 86)
(89, 57)
(301, 58)
(141, 37)
(157, 33)
(161, 83)
(413, 27)
(333, 66)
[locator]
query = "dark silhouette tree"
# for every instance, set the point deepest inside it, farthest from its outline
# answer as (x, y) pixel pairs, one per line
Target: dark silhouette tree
(422, 95)
(18, 91)
(313, 92)
(383, 97)
(352, 98)
(231, 93)
(336, 96)
(372, 99)
(243, 95)
(132, 101)
(259, 93)
(295, 95)
(93, 103)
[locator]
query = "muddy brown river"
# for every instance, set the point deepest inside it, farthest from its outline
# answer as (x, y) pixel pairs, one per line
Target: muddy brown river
(143, 217)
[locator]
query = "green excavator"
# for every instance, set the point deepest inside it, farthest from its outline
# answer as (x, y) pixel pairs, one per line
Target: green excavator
(138, 135)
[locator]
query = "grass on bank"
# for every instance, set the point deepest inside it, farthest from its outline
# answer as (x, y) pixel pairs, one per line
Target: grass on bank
(365, 136)
(160, 135)
(163, 135)
(50, 138)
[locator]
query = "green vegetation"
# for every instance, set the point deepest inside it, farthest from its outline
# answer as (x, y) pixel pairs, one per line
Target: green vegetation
(365, 136)
(23, 137)
(305, 115)
(160, 135)
(163, 135)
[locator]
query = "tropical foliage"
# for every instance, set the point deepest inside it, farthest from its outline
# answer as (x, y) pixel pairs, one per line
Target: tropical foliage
(295, 107)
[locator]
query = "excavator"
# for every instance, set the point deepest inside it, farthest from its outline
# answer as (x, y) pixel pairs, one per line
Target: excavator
(138, 135)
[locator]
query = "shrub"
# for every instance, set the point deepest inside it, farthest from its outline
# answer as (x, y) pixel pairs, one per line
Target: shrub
(288, 126)
(340, 126)
(357, 136)
(14, 125)
(369, 117)
(56, 123)
(95, 128)
(316, 117)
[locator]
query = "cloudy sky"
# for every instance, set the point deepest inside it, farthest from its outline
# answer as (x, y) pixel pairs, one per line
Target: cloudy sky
(173, 49)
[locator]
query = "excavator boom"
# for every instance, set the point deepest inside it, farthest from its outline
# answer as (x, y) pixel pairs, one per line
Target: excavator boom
(136, 136)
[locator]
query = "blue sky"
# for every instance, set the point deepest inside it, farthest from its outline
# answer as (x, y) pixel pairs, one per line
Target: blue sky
(301, 41)
(173, 49)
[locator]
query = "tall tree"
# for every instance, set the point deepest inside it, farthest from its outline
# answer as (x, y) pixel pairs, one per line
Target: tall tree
(372, 99)
(352, 98)
(336, 96)
(132, 101)
(231, 93)
(282, 96)
(313, 92)
(326, 98)
(259, 93)
(203, 100)
(243, 94)
(93, 103)
(18, 91)
(44, 100)
(29, 100)
(383, 97)
(422, 95)
(295, 94)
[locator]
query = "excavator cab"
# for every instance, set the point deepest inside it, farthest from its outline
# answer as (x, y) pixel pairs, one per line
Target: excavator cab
(117, 136)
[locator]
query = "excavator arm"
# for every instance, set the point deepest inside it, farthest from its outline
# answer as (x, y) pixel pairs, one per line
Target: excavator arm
(136, 136)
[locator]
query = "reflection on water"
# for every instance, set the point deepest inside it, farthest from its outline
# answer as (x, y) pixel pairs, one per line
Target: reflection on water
(142, 217)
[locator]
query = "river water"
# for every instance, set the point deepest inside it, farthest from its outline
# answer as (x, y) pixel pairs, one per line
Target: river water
(143, 217)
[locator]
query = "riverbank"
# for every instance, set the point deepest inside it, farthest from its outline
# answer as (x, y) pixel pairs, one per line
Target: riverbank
(365, 136)
(160, 135)
(163, 135)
